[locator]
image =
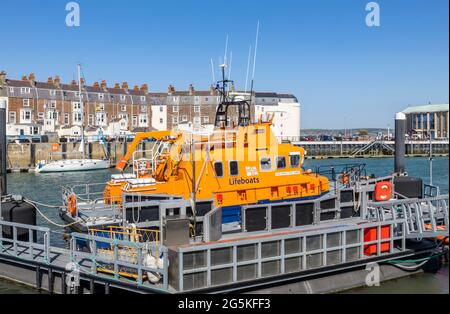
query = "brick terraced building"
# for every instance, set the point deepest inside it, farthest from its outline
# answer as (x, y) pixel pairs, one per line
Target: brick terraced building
(36, 108)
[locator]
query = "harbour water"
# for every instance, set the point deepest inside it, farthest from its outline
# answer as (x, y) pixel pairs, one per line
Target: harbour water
(46, 188)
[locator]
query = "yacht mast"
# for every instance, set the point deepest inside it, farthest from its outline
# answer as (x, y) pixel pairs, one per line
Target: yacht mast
(82, 112)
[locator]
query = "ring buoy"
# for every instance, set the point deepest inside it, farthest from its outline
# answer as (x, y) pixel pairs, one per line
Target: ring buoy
(383, 191)
(72, 205)
(345, 178)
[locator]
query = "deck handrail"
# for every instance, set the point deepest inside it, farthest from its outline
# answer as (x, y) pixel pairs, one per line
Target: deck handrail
(116, 244)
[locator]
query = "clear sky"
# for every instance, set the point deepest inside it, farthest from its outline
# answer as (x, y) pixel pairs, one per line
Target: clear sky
(344, 73)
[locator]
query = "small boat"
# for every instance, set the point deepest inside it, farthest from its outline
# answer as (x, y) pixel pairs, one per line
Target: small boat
(81, 164)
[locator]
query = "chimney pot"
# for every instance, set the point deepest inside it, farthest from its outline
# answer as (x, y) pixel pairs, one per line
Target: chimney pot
(50, 80)
(104, 85)
(32, 77)
(96, 84)
(24, 78)
(136, 87)
(144, 88)
(57, 81)
(125, 85)
(73, 82)
(2, 77)
(117, 86)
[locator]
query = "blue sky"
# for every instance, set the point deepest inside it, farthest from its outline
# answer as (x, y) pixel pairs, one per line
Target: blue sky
(344, 73)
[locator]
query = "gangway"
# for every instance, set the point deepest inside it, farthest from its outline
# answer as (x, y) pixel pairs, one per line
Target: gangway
(425, 218)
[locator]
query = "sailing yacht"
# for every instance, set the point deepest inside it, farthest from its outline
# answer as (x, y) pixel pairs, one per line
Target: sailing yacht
(82, 164)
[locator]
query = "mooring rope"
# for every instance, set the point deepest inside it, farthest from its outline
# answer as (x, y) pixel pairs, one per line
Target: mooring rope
(34, 204)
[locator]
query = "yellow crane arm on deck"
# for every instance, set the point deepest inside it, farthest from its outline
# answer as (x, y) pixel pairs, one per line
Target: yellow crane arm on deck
(157, 135)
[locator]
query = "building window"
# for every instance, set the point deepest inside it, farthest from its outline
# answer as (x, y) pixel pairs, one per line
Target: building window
(218, 169)
(144, 108)
(101, 107)
(234, 168)
(196, 120)
(52, 115)
(123, 97)
(161, 120)
(266, 164)
(101, 96)
(12, 117)
(161, 109)
(196, 109)
(143, 98)
(53, 104)
(184, 118)
(175, 109)
(135, 120)
(25, 90)
(206, 99)
(76, 117)
(175, 120)
(123, 107)
(26, 102)
(76, 94)
(11, 90)
(143, 119)
(101, 118)
(76, 105)
(66, 119)
(281, 162)
(52, 92)
(91, 119)
(205, 119)
(25, 116)
(295, 160)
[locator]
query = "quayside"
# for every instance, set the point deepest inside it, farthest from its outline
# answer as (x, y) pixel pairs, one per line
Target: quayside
(225, 210)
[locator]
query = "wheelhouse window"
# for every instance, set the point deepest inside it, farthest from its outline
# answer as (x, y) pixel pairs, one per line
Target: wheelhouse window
(266, 164)
(234, 168)
(294, 160)
(281, 162)
(218, 169)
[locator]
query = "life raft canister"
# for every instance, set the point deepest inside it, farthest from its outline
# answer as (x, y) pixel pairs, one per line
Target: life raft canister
(383, 191)
(72, 205)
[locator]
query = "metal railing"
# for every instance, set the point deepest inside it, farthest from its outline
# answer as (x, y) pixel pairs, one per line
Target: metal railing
(424, 217)
(37, 247)
(431, 190)
(120, 258)
(228, 262)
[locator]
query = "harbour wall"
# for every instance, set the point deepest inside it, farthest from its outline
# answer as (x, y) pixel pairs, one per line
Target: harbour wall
(25, 156)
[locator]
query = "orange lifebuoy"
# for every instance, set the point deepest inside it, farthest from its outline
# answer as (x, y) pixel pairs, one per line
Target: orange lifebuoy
(383, 191)
(345, 178)
(72, 205)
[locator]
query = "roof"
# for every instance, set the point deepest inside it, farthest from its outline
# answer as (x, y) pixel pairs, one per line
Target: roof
(426, 109)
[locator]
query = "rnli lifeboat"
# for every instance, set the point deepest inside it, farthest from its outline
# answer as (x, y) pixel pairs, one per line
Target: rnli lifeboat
(233, 165)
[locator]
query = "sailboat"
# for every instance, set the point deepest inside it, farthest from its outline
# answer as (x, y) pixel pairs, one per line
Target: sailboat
(82, 164)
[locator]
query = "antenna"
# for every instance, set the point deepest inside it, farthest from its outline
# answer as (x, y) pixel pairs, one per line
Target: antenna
(226, 51)
(248, 67)
(229, 69)
(213, 72)
(254, 60)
